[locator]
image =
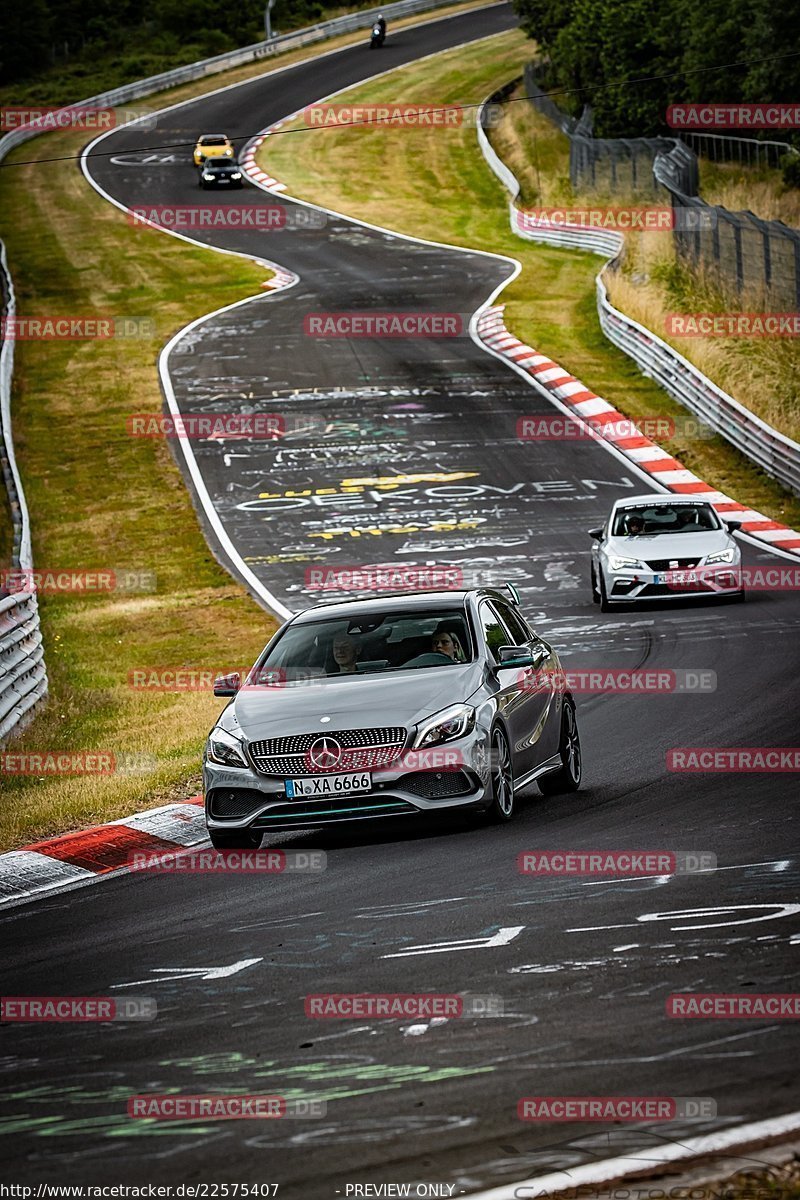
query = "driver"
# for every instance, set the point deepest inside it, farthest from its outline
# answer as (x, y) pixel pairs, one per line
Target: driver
(346, 651)
(380, 21)
(445, 642)
(634, 526)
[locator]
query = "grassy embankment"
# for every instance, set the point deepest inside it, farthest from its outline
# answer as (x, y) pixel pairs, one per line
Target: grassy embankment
(762, 373)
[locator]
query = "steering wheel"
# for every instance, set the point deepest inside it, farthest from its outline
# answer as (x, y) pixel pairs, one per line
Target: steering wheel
(431, 658)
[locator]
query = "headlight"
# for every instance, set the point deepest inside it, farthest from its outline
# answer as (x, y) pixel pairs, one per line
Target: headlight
(620, 564)
(229, 154)
(208, 174)
(222, 747)
(451, 723)
(236, 174)
(728, 555)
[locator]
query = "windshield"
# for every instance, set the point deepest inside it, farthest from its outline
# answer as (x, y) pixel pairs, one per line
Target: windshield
(214, 140)
(377, 643)
(648, 520)
(221, 165)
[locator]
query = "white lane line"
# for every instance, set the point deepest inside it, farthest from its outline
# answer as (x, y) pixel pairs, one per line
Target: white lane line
(423, 1027)
(781, 909)
(515, 1061)
(170, 974)
(501, 938)
(645, 1161)
(782, 864)
(269, 600)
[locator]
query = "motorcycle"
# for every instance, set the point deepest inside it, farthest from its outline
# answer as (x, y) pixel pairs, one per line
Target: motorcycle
(378, 36)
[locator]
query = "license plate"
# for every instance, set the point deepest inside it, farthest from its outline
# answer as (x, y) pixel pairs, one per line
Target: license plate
(315, 786)
(681, 578)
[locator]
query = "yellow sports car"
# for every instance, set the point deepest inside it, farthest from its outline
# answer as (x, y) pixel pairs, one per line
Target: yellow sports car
(212, 145)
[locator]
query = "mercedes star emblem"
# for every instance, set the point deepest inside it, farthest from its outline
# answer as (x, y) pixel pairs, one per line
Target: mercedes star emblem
(325, 753)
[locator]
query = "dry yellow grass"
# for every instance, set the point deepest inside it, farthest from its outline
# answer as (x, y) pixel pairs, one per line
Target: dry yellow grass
(761, 373)
(759, 190)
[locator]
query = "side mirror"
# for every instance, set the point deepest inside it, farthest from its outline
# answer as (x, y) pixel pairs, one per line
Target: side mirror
(733, 526)
(227, 685)
(515, 656)
(597, 534)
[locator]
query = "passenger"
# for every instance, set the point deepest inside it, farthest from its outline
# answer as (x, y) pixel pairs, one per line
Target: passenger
(345, 653)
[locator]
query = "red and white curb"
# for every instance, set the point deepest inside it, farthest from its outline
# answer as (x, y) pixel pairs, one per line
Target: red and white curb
(280, 280)
(614, 427)
(247, 159)
(89, 854)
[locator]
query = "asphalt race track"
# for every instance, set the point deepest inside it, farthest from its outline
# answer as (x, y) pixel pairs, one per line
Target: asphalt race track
(583, 967)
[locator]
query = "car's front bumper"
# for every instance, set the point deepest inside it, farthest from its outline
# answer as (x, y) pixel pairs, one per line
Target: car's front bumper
(632, 584)
(239, 798)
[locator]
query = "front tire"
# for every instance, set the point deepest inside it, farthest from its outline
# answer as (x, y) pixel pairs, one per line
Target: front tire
(605, 603)
(501, 808)
(237, 839)
(568, 777)
(595, 594)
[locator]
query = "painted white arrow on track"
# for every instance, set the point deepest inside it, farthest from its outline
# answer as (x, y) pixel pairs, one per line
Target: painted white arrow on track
(501, 938)
(166, 974)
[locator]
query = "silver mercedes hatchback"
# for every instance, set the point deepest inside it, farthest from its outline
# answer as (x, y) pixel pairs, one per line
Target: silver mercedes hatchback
(387, 707)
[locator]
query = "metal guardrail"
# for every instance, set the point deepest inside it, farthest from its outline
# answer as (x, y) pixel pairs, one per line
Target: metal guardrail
(232, 58)
(775, 453)
(596, 241)
(23, 678)
(750, 152)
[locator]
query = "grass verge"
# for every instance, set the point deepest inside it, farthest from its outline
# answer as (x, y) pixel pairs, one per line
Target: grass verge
(434, 183)
(103, 500)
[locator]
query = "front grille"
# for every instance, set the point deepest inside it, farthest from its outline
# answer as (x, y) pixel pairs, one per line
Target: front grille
(362, 750)
(671, 564)
(435, 785)
(235, 802)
